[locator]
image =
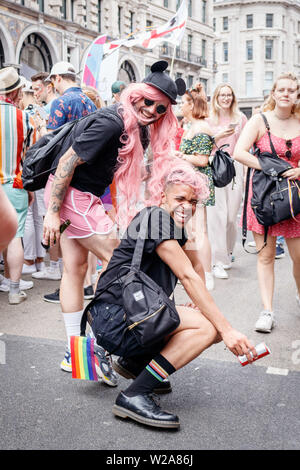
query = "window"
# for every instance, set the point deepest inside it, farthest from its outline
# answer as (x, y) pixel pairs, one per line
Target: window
(269, 49)
(225, 23)
(249, 84)
(204, 82)
(214, 24)
(268, 83)
(190, 43)
(41, 4)
(225, 77)
(283, 22)
(298, 26)
(63, 9)
(178, 2)
(249, 21)
(225, 51)
(249, 50)
(298, 54)
(120, 19)
(190, 8)
(147, 70)
(203, 49)
(190, 80)
(204, 11)
(283, 51)
(131, 19)
(149, 24)
(72, 10)
(178, 75)
(99, 14)
(269, 20)
(166, 3)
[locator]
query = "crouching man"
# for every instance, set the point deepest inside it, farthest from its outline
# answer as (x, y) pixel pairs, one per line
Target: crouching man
(166, 252)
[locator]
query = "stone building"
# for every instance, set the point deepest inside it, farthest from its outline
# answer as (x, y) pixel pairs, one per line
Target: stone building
(255, 42)
(34, 34)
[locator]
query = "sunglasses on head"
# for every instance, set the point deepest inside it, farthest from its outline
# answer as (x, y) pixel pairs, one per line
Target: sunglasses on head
(288, 144)
(160, 108)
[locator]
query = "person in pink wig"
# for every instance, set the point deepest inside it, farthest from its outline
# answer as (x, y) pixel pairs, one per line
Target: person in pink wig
(167, 256)
(109, 143)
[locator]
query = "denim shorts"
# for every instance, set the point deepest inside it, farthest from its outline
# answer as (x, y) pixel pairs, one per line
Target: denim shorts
(109, 325)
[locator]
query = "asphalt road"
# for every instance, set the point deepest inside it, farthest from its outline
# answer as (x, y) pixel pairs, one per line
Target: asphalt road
(221, 405)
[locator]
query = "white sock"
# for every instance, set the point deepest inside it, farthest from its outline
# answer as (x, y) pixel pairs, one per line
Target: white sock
(72, 324)
(61, 265)
(40, 266)
(54, 265)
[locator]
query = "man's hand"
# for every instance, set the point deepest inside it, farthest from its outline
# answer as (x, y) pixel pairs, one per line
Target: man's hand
(51, 227)
(238, 344)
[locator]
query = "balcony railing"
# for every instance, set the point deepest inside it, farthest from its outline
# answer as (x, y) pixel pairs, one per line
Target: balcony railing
(184, 56)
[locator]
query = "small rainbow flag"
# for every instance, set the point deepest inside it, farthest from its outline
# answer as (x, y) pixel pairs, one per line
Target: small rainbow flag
(83, 358)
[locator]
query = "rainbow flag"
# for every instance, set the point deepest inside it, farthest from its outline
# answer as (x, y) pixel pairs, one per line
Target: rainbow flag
(83, 358)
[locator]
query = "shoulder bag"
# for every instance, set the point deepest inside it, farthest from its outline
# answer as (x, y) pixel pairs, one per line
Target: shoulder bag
(148, 311)
(222, 165)
(274, 198)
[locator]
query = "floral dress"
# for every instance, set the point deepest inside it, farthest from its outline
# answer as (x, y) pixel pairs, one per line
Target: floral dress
(202, 144)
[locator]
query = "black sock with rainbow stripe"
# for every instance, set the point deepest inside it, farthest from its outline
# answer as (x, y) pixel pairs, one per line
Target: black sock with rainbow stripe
(154, 373)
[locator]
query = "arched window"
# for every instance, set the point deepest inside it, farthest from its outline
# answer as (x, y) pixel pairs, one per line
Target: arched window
(126, 73)
(34, 56)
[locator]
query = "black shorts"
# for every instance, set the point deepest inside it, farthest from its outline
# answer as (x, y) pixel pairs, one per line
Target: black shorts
(108, 326)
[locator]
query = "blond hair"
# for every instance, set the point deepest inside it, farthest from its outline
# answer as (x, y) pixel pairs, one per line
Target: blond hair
(215, 107)
(94, 95)
(270, 104)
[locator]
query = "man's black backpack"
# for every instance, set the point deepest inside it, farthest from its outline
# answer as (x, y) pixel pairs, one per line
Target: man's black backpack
(41, 158)
(274, 198)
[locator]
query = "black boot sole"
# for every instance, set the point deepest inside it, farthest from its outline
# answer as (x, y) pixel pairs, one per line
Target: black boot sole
(129, 375)
(124, 413)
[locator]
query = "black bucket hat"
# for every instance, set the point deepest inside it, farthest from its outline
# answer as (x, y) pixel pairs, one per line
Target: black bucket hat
(161, 80)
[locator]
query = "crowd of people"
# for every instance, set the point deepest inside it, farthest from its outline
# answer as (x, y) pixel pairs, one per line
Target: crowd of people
(138, 149)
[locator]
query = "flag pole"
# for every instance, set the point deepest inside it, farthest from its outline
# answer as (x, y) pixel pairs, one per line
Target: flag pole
(172, 62)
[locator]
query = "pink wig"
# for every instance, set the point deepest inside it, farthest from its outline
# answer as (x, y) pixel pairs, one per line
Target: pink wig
(128, 177)
(179, 172)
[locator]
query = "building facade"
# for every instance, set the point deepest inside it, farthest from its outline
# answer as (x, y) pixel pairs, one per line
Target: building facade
(255, 42)
(34, 34)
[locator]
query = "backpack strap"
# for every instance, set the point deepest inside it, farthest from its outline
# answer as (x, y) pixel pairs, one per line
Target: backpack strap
(269, 134)
(244, 227)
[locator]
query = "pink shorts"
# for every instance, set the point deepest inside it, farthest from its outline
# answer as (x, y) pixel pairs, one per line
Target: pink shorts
(85, 211)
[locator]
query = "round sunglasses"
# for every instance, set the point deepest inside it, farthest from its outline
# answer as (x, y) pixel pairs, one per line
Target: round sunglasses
(160, 108)
(288, 153)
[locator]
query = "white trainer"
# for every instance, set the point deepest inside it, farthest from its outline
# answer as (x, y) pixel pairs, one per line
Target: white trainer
(265, 322)
(17, 298)
(209, 281)
(4, 284)
(48, 273)
(28, 268)
(219, 271)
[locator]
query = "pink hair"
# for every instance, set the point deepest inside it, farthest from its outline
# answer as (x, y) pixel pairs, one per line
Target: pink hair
(179, 172)
(128, 177)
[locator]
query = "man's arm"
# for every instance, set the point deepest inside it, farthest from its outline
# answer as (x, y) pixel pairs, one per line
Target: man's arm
(62, 179)
(174, 256)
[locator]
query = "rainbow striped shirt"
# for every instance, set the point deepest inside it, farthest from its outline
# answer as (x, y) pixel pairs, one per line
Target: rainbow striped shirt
(17, 133)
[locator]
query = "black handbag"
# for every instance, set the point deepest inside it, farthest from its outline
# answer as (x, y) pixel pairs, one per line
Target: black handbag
(148, 311)
(222, 165)
(274, 198)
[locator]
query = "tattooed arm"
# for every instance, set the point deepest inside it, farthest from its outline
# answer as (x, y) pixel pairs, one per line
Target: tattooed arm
(62, 178)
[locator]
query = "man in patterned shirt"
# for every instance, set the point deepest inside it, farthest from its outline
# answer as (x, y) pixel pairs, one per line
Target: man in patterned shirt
(17, 133)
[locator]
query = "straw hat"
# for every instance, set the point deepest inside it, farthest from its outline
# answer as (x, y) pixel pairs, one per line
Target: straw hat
(10, 80)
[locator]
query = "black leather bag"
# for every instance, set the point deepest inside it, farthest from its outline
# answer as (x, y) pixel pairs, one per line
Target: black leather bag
(274, 198)
(148, 311)
(222, 165)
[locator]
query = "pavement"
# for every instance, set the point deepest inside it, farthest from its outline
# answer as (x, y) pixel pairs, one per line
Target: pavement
(221, 405)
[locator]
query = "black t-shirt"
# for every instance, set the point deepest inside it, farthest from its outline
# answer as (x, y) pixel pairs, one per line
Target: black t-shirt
(96, 140)
(161, 227)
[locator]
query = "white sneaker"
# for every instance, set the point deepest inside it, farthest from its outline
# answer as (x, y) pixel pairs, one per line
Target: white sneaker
(4, 284)
(298, 300)
(28, 268)
(48, 273)
(209, 281)
(265, 322)
(252, 244)
(17, 298)
(219, 271)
